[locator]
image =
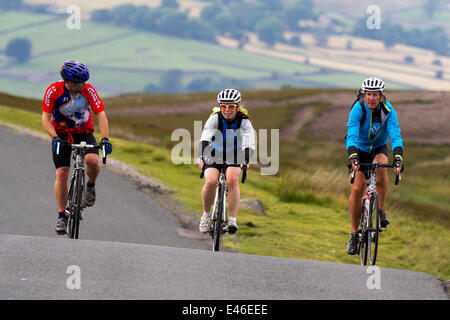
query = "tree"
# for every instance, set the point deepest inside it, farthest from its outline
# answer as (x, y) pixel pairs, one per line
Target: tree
(389, 40)
(224, 22)
(392, 34)
(153, 88)
(101, 15)
(199, 30)
(146, 19)
(171, 81)
(295, 41)
(170, 4)
(273, 5)
(232, 83)
(430, 7)
(124, 15)
(254, 15)
(303, 10)
(201, 84)
(209, 13)
(437, 40)
(321, 37)
(349, 45)
(10, 4)
(409, 59)
(270, 30)
(20, 49)
(173, 23)
(243, 40)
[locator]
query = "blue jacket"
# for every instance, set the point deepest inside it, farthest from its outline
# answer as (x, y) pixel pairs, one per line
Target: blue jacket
(372, 135)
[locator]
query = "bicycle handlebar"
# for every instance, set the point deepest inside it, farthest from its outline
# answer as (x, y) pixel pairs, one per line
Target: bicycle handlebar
(83, 146)
(376, 165)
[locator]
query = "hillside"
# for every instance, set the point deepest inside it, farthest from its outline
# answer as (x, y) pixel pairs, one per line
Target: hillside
(306, 201)
(125, 60)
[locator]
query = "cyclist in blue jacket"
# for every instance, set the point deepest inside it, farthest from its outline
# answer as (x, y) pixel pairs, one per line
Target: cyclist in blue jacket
(372, 122)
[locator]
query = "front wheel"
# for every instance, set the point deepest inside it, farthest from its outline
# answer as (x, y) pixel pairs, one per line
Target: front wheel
(217, 227)
(75, 206)
(363, 247)
(374, 228)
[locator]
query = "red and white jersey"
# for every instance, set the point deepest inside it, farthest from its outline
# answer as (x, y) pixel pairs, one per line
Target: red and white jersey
(72, 114)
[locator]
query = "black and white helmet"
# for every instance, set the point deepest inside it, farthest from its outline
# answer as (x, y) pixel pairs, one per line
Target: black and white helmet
(229, 96)
(373, 84)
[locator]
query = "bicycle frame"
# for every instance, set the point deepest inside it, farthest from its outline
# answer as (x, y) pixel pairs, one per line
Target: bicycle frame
(76, 199)
(368, 239)
(369, 233)
(219, 214)
(79, 169)
(77, 196)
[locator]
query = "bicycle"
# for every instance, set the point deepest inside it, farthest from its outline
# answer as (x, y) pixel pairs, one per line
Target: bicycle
(219, 214)
(369, 222)
(76, 198)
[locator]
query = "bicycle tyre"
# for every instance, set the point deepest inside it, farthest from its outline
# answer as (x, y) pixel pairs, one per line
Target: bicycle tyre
(363, 247)
(218, 223)
(374, 227)
(75, 205)
(69, 209)
(79, 203)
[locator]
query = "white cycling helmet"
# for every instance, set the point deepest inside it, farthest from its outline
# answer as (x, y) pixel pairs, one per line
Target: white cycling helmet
(229, 96)
(373, 84)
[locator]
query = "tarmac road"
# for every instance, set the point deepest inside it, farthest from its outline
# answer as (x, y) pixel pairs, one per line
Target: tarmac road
(42, 268)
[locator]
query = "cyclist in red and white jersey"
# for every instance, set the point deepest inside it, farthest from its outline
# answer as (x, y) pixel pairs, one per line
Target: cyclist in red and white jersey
(66, 116)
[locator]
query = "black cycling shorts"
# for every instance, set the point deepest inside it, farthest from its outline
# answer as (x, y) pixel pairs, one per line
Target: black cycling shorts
(219, 166)
(63, 159)
(366, 157)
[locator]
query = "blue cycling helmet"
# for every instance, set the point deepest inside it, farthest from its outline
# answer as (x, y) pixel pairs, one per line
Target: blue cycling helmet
(74, 71)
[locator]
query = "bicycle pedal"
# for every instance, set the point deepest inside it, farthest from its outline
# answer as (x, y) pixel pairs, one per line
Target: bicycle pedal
(231, 229)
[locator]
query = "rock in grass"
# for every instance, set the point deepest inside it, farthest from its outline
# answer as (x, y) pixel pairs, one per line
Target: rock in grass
(254, 205)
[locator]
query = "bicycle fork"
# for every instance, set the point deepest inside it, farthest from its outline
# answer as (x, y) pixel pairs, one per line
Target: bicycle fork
(219, 213)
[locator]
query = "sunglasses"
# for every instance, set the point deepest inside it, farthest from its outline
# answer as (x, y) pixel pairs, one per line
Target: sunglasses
(228, 106)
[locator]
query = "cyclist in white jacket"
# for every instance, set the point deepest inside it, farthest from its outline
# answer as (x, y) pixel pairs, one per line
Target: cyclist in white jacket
(228, 139)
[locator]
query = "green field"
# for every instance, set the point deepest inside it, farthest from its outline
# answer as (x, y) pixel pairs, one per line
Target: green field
(306, 201)
(123, 60)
